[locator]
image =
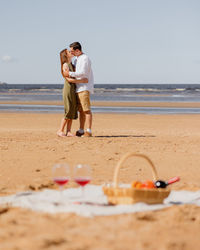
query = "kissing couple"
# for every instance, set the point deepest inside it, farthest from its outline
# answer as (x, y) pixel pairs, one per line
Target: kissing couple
(78, 85)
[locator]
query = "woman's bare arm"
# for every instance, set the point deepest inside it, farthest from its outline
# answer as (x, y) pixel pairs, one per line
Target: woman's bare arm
(65, 70)
(66, 74)
(72, 80)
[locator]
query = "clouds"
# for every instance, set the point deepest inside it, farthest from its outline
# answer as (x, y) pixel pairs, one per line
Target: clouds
(8, 59)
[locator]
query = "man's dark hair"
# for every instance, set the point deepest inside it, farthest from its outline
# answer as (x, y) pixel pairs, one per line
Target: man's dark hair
(76, 45)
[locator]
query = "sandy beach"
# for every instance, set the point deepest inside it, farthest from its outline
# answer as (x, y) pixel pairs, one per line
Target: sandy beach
(29, 148)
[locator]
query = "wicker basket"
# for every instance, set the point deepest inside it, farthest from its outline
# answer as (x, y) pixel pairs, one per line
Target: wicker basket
(121, 195)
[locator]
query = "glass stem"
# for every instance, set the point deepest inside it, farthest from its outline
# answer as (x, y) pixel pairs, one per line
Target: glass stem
(82, 191)
(61, 193)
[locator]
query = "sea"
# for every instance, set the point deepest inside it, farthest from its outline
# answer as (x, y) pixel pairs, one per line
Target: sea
(182, 93)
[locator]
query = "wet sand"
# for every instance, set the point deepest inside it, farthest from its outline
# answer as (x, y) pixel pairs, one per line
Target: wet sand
(115, 104)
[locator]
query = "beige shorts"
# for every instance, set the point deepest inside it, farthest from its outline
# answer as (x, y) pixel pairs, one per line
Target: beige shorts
(83, 101)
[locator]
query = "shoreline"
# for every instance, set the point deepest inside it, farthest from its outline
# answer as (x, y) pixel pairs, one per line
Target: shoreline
(103, 108)
(114, 104)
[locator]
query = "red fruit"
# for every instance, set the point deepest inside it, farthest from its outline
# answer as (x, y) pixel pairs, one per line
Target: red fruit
(139, 185)
(149, 184)
(134, 183)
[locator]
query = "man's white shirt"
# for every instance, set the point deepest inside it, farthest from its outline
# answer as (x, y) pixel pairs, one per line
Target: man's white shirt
(83, 70)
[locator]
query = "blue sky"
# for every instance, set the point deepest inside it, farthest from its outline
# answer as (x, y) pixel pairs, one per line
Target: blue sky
(129, 41)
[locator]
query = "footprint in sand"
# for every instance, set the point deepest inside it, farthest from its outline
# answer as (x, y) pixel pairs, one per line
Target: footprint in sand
(146, 217)
(53, 242)
(41, 186)
(4, 210)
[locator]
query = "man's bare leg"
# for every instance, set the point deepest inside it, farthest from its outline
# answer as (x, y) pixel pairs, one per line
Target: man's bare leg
(82, 119)
(88, 119)
(88, 124)
(80, 132)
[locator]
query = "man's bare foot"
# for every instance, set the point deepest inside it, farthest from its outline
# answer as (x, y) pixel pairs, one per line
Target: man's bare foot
(69, 134)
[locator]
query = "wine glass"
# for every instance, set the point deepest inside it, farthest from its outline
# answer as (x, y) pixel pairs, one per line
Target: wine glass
(82, 175)
(61, 174)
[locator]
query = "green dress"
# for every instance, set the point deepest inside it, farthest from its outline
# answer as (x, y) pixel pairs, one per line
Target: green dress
(69, 98)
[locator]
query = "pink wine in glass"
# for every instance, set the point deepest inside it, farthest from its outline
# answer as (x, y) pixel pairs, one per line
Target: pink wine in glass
(82, 181)
(61, 181)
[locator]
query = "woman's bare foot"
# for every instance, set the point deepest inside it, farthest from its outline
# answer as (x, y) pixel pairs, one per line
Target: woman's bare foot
(69, 134)
(60, 133)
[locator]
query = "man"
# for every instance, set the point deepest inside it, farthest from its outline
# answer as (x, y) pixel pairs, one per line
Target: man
(83, 90)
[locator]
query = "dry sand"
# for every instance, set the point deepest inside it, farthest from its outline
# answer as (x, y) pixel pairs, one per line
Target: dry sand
(29, 148)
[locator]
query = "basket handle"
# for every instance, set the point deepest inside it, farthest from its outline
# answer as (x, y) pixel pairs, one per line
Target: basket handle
(122, 160)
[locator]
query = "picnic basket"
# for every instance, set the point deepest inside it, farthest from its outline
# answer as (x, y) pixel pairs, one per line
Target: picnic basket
(123, 195)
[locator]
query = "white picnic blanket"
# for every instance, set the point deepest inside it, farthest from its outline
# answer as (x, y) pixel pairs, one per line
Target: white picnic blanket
(94, 202)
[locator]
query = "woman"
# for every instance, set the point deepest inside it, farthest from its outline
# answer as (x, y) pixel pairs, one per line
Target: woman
(69, 95)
